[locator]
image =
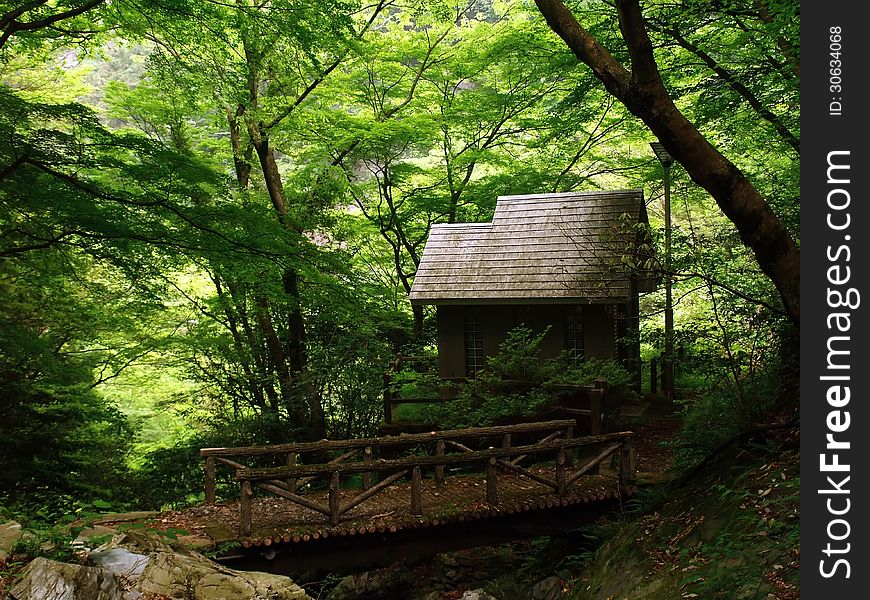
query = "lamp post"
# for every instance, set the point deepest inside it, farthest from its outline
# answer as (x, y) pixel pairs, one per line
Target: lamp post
(668, 359)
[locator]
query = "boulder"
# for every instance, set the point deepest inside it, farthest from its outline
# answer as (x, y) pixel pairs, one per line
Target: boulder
(547, 589)
(121, 562)
(10, 532)
(197, 578)
(45, 579)
(476, 595)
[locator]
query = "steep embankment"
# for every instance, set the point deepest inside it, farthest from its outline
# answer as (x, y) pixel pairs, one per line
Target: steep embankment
(732, 531)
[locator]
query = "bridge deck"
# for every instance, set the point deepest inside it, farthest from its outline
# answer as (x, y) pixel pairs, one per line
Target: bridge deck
(461, 498)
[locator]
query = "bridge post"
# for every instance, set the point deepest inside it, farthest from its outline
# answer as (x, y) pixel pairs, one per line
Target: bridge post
(596, 408)
(246, 492)
(569, 435)
(367, 476)
(561, 461)
(439, 469)
(627, 466)
(209, 480)
(388, 399)
(291, 481)
(416, 491)
(334, 497)
(491, 483)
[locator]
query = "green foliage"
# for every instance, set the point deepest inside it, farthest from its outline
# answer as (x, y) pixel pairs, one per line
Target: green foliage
(515, 383)
(139, 243)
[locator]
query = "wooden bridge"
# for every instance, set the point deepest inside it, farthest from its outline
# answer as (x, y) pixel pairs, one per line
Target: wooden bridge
(345, 489)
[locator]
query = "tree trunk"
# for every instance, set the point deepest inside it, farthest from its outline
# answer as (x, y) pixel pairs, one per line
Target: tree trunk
(297, 354)
(644, 94)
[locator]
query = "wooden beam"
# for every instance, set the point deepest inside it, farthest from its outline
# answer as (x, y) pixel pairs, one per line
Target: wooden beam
(506, 464)
(593, 463)
(389, 440)
(300, 500)
(360, 498)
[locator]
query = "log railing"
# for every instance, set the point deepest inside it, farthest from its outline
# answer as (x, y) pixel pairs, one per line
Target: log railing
(446, 450)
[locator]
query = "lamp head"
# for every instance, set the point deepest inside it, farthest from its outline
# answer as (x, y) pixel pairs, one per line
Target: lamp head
(661, 154)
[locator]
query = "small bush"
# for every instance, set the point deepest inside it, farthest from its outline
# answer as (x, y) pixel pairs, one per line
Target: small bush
(516, 383)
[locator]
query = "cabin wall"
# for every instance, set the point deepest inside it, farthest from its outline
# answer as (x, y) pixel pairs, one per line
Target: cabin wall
(599, 334)
(451, 343)
(496, 320)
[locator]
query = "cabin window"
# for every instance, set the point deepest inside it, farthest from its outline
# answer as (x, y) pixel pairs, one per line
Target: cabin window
(574, 333)
(473, 341)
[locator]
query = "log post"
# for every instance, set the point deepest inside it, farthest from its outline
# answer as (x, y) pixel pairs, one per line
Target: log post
(506, 441)
(367, 476)
(209, 480)
(416, 491)
(595, 409)
(561, 461)
(388, 399)
(491, 483)
(245, 495)
(653, 376)
(291, 481)
(569, 435)
(439, 469)
(334, 497)
(627, 466)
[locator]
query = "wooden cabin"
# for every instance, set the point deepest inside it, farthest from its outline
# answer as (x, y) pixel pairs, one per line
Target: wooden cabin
(552, 260)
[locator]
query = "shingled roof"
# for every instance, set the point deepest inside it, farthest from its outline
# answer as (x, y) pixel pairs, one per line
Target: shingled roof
(565, 247)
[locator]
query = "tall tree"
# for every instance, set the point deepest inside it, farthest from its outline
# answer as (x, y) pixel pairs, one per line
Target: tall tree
(642, 91)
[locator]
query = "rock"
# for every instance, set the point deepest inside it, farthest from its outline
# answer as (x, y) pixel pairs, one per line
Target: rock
(196, 578)
(121, 562)
(45, 579)
(476, 595)
(88, 536)
(547, 589)
(10, 532)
